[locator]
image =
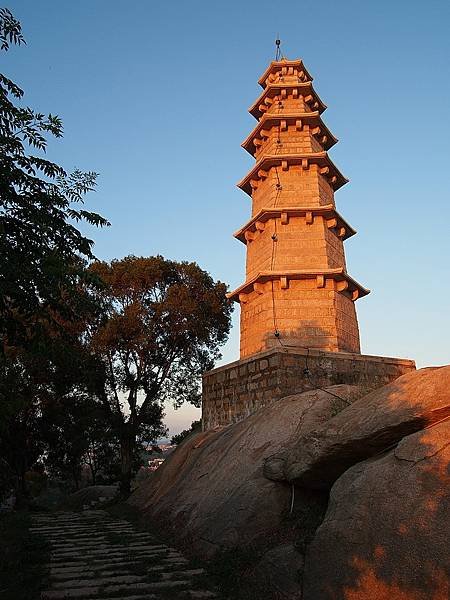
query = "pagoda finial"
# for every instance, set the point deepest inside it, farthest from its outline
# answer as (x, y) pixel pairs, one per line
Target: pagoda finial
(278, 50)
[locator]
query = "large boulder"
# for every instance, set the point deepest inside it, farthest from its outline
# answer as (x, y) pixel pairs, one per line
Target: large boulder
(386, 532)
(211, 493)
(90, 497)
(369, 426)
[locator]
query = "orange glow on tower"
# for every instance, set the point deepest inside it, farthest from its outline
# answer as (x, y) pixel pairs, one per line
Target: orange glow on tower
(297, 292)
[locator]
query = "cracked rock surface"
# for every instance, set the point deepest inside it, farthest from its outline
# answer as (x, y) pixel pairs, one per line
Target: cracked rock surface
(386, 531)
(369, 426)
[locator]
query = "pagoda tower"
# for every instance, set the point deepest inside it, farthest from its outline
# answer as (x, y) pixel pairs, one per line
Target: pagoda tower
(298, 321)
(297, 291)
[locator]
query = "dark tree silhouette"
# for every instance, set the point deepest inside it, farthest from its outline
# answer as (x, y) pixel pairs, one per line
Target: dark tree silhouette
(163, 324)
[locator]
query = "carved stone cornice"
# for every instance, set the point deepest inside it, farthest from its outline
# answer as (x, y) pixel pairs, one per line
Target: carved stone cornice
(284, 161)
(343, 282)
(298, 119)
(334, 221)
(283, 90)
(284, 68)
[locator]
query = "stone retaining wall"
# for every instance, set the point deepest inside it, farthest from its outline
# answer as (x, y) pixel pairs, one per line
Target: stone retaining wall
(236, 390)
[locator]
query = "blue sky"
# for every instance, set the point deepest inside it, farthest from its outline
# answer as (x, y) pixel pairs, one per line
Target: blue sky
(154, 97)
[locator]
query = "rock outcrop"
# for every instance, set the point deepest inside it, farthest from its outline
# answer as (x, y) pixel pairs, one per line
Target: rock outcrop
(380, 534)
(367, 427)
(212, 490)
(386, 532)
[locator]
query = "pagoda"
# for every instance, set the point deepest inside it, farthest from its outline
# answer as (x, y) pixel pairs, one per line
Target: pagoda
(297, 292)
(298, 321)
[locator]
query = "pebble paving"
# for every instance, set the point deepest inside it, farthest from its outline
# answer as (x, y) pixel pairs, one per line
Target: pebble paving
(96, 556)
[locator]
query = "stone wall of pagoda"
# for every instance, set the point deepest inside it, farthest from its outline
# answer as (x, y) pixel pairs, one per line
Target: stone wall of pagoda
(319, 246)
(297, 292)
(305, 315)
(235, 391)
(299, 187)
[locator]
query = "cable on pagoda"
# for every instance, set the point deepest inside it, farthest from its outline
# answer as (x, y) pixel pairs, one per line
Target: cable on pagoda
(277, 334)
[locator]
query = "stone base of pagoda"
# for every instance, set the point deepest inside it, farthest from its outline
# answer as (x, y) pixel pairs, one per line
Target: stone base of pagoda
(236, 390)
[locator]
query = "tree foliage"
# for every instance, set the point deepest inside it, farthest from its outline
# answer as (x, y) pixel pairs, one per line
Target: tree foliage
(21, 444)
(180, 437)
(39, 203)
(77, 437)
(81, 347)
(44, 300)
(10, 30)
(163, 325)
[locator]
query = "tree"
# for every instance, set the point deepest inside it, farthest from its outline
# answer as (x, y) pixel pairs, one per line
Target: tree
(180, 437)
(45, 252)
(20, 441)
(43, 276)
(163, 324)
(38, 393)
(77, 437)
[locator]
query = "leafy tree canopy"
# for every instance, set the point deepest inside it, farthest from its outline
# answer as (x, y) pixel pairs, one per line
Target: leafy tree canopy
(180, 437)
(44, 302)
(163, 325)
(39, 206)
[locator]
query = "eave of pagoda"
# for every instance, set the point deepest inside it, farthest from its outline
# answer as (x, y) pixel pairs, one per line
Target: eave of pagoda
(335, 222)
(304, 89)
(319, 130)
(286, 67)
(344, 283)
(260, 171)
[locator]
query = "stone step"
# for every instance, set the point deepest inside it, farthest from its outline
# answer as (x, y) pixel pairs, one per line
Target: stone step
(61, 570)
(175, 561)
(75, 546)
(111, 551)
(122, 597)
(65, 565)
(102, 541)
(95, 557)
(93, 591)
(102, 563)
(119, 579)
(72, 574)
(90, 592)
(64, 529)
(182, 574)
(93, 565)
(104, 558)
(82, 525)
(77, 522)
(132, 569)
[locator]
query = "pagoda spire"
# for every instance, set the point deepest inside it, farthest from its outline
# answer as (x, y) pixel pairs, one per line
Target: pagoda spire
(297, 290)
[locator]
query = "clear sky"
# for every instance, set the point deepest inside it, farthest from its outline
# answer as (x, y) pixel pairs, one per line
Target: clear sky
(154, 97)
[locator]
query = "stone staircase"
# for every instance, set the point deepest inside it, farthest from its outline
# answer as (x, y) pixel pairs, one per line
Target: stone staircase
(96, 556)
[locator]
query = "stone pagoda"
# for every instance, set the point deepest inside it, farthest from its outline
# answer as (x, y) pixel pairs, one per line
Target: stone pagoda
(298, 321)
(297, 291)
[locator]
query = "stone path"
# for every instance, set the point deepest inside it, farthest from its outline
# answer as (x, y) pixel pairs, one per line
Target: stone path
(95, 556)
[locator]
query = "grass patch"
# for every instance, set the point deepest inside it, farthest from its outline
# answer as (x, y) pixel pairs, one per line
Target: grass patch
(22, 558)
